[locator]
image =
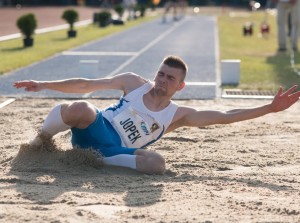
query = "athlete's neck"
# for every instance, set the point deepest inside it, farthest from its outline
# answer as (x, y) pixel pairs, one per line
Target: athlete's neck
(155, 102)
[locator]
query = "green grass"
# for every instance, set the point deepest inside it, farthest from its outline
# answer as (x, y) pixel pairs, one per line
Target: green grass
(13, 55)
(261, 66)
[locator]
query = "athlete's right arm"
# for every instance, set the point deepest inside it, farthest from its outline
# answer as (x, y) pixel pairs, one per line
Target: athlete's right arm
(125, 82)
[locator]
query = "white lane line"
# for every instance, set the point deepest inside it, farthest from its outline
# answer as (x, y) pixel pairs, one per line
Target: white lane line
(46, 30)
(148, 46)
(96, 53)
(89, 61)
(7, 102)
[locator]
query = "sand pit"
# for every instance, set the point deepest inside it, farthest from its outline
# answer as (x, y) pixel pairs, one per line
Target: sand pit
(243, 172)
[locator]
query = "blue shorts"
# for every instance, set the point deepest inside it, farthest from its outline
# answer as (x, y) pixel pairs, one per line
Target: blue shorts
(100, 136)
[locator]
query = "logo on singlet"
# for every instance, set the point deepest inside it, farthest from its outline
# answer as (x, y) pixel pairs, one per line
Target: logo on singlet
(144, 127)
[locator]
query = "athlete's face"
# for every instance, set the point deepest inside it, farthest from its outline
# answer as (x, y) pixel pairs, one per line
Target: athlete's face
(168, 80)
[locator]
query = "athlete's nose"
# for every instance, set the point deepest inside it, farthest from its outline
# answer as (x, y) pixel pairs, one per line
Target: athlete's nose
(163, 79)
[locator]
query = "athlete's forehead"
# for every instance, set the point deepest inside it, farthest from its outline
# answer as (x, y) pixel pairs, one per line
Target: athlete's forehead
(170, 71)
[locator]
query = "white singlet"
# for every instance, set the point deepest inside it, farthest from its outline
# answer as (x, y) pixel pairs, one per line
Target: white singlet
(135, 123)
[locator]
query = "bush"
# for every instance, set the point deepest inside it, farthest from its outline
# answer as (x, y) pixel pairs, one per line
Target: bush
(104, 18)
(27, 25)
(119, 9)
(70, 16)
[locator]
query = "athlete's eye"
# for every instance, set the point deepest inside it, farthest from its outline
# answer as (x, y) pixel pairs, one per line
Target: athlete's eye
(171, 78)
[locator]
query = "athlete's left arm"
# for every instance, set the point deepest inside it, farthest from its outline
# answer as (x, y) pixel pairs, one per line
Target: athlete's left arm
(186, 116)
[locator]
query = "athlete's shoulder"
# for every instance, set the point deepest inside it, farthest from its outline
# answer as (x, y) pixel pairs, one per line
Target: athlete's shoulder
(134, 76)
(132, 81)
(183, 111)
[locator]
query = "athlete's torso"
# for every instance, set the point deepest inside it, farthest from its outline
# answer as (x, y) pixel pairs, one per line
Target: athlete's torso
(137, 125)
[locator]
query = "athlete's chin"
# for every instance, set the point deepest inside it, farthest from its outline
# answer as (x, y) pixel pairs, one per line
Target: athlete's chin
(160, 92)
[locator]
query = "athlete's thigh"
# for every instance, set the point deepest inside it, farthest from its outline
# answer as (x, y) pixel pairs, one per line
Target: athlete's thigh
(79, 114)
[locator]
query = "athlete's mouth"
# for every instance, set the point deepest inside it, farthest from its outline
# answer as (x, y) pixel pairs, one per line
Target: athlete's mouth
(161, 85)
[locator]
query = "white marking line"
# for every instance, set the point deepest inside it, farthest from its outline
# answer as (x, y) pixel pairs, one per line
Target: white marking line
(64, 26)
(247, 97)
(160, 37)
(7, 102)
(200, 83)
(88, 61)
(217, 58)
(91, 53)
(130, 60)
(48, 29)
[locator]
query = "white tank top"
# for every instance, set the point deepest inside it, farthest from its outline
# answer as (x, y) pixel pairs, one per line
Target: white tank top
(136, 124)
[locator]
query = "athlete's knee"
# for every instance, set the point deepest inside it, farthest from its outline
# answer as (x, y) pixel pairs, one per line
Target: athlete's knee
(78, 113)
(160, 164)
(150, 162)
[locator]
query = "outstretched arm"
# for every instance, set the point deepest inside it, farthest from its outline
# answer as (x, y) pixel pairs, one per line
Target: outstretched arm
(125, 82)
(191, 117)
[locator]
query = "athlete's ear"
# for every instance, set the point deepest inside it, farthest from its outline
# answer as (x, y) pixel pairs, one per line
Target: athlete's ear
(181, 86)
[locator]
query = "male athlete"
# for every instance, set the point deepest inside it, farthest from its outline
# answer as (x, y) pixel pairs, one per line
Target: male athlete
(143, 114)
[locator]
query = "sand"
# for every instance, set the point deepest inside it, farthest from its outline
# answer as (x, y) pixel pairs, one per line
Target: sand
(243, 172)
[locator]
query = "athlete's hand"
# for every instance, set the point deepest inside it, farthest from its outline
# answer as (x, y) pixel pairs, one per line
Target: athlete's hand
(29, 85)
(284, 100)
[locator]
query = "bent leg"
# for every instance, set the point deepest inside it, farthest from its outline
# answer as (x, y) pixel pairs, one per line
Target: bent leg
(79, 114)
(123, 160)
(143, 161)
(149, 162)
(62, 117)
(54, 123)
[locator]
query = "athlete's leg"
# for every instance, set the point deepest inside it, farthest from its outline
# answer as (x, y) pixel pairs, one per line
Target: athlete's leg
(143, 161)
(149, 162)
(62, 117)
(79, 114)
(281, 23)
(54, 123)
(295, 24)
(175, 5)
(167, 7)
(123, 160)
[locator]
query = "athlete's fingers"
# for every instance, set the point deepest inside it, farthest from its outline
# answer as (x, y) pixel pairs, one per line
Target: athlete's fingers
(19, 84)
(295, 96)
(289, 91)
(23, 84)
(279, 91)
